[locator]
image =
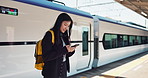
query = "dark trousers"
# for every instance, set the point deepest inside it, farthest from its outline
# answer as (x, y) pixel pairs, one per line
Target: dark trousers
(53, 69)
(63, 70)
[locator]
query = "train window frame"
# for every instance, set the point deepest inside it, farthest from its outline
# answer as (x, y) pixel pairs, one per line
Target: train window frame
(85, 37)
(109, 41)
(130, 40)
(106, 41)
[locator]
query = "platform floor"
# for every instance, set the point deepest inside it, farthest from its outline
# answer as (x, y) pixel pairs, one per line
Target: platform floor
(132, 67)
(140, 71)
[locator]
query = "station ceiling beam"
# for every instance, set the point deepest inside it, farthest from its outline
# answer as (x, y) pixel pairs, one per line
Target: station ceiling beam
(139, 6)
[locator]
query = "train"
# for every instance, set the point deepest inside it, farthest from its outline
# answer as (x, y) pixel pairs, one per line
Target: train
(101, 40)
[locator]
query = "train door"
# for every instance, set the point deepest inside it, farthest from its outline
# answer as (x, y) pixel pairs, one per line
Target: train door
(83, 59)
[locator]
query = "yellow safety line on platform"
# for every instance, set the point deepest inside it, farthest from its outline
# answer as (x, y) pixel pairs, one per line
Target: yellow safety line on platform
(126, 67)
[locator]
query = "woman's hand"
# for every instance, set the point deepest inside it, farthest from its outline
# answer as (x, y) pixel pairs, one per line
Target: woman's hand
(70, 49)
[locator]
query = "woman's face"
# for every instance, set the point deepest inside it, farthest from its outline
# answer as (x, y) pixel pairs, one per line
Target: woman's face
(65, 26)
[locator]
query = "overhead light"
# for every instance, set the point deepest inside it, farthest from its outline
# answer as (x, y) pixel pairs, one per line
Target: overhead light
(143, 13)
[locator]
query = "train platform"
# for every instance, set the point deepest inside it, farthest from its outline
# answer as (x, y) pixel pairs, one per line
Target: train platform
(131, 67)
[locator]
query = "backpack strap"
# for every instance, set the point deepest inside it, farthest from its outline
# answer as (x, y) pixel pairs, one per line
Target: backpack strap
(52, 33)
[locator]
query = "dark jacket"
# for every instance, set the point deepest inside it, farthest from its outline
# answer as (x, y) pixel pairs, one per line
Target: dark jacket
(53, 55)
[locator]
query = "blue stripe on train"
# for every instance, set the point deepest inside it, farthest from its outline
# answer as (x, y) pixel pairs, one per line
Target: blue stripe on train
(54, 6)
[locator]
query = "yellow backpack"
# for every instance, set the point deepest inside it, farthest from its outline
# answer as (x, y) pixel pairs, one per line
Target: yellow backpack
(38, 53)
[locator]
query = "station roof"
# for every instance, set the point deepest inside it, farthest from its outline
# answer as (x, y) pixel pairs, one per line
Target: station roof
(139, 6)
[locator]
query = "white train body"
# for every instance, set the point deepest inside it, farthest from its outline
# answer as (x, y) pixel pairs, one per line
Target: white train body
(24, 22)
(108, 26)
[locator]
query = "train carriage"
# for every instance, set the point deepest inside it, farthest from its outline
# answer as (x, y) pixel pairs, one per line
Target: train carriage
(117, 40)
(24, 22)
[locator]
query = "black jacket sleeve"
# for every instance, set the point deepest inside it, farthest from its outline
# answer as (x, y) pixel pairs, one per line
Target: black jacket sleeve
(51, 51)
(70, 54)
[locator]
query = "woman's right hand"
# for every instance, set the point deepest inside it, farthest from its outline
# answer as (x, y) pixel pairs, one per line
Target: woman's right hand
(69, 48)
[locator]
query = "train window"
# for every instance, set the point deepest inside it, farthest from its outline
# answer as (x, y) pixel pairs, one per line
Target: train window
(110, 41)
(114, 41)
(135, 41)
(85, 41)
(125, 40)
(9, 11)
(139, 39)
(120, 40)
(107, 41)
(147, 39)
(143, 40)
(131, 38)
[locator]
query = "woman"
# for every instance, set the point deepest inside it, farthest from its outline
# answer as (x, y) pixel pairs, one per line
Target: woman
(56, 56)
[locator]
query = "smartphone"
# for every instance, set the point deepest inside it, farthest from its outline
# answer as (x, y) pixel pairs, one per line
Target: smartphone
(75, 45)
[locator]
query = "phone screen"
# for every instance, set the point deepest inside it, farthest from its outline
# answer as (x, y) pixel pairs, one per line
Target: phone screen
(75, 45)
